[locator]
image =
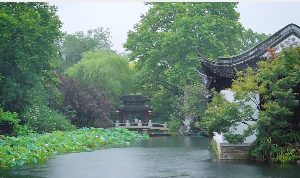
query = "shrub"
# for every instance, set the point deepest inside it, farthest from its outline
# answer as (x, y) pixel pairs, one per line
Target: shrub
(174, 126)
(42, 119)
(12, 119)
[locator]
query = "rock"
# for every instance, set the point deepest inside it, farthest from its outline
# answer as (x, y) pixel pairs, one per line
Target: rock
(298, 161)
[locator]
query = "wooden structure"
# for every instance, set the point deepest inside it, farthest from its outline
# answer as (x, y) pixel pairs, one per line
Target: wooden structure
(134, 104)
(219, 74)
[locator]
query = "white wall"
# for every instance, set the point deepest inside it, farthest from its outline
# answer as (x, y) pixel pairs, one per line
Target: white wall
(219, 138)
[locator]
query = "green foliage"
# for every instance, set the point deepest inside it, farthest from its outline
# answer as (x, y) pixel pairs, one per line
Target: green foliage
(190, 105)
(193, 102)
(72, 46)
(286, 157)
(174, 125)
(214, 147)
(161, 45)
(279, 81)
(161, 101)
(252, 38)
(41, 118)
(12, 119)
(27, 49)
(37, 115)
(37, 148)
(7, 116)
(277, 127)
(56, 97)
(163, 41)
(235, 138)
(28, 32)
(223, 116)
(278, 146)
(103, 70)
(70, 112)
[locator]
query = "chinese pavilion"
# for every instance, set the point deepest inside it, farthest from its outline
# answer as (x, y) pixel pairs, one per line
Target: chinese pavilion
(219, 74)
(134, 104)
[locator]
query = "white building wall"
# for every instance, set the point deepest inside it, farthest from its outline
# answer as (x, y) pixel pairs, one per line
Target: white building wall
(219, 138)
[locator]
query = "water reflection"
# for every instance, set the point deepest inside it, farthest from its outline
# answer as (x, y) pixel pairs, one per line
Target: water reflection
(156, 157)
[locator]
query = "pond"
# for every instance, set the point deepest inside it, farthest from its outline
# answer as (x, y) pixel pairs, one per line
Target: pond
(156, 157)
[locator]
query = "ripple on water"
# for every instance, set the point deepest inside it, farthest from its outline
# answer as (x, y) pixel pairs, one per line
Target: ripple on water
(160, 157)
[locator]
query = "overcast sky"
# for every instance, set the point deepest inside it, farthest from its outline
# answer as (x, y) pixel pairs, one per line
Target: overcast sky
(119, 17)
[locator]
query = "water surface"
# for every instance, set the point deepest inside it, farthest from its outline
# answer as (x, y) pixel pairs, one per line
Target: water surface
(156, 157)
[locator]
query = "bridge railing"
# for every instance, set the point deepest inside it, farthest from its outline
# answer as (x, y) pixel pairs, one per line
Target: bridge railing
(140, 124)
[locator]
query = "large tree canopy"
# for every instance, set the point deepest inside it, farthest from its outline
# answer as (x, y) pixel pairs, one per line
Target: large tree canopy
(84, 106)
(162, 42)
(105, 71)
(28, 32)
(73, 45)
(27, 49)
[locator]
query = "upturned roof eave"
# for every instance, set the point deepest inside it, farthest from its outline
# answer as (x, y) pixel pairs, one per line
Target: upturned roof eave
(254, 53)
(287, 30)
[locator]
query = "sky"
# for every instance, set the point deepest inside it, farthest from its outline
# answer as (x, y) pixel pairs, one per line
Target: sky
(120, 17)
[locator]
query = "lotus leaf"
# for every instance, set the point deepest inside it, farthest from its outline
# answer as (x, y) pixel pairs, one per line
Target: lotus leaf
(36, 148)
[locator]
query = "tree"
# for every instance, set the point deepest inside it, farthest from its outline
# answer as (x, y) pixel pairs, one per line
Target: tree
(27, 45)
(189, 108)
(28, 33)
(84, 106)
(73, 45)
(105, 71)
(27, 49)
(162, 42)
(278, 84)
(252, 38)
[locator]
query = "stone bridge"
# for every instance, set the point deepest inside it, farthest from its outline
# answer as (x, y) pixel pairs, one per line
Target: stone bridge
(144, 126)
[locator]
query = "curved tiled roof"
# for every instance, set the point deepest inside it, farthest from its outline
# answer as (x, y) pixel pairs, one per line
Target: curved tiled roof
(134, 98)
(225, 67)
(134, 108)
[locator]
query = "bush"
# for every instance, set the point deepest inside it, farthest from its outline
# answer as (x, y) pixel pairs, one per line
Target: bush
(12, 119)
(174, 126)
(42, 119)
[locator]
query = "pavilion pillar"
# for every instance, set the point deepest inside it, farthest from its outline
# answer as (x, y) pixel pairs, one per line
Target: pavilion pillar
(146, 117)
(120, 116)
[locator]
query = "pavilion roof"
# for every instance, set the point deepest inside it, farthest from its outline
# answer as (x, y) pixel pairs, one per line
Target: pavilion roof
(134, 108)
(134, 98)
(224, 69)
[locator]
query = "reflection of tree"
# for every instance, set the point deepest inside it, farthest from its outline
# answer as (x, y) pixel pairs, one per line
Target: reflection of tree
(150, 141)
(187, 141)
